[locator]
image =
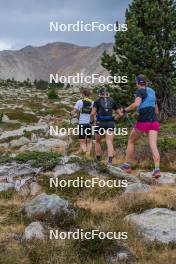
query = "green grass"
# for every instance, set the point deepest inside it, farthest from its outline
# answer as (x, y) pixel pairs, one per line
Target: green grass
(167, 144)
(8, 127)
(46, 160)
(21, 116)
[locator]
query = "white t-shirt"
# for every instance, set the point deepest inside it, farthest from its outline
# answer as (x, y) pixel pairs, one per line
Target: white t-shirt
(83, 118)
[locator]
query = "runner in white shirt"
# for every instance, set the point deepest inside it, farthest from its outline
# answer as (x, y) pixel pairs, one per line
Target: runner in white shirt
(84, 107)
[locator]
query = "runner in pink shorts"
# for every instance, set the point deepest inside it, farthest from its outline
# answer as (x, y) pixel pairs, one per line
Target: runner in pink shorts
(145, 103)
(146, 127)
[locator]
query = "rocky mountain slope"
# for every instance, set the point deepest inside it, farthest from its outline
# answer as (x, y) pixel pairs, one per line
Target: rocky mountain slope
(31, 207)
(62, 58)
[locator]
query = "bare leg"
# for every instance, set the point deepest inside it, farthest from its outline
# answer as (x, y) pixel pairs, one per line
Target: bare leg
(153, 135)
(83, 145)
(89, 145)
(134, 136)
(109, 142)
(98, 144)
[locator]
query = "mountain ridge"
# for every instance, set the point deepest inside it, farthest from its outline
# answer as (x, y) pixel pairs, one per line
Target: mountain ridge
(58, 57)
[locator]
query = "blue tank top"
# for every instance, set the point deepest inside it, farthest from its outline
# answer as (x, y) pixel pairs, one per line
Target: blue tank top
(148, 100)
(147, 107)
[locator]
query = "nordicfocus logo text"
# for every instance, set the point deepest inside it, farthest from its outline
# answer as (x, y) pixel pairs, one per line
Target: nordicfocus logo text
(80, 182)
(94, 78)
(76, 131)
(81, 26)
(87, 235)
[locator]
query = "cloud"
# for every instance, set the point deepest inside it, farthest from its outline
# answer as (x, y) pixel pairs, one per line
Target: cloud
(26, 22)
(5, 45)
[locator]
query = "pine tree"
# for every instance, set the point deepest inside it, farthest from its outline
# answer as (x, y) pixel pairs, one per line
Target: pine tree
(148, 47)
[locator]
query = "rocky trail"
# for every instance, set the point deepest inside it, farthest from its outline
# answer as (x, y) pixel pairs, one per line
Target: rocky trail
(30, 158)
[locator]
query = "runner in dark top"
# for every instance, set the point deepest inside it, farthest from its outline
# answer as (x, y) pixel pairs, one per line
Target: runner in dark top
(103, 110)
(145, 103)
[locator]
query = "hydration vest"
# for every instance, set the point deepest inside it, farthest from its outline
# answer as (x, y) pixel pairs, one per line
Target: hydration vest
(105, 111)
(87, 106)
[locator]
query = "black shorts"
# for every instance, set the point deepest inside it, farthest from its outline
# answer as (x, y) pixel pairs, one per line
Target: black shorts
(85, 131)
(104, 126)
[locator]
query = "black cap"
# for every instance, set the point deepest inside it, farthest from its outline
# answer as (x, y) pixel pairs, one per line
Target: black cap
(103, 91)
(141, 79)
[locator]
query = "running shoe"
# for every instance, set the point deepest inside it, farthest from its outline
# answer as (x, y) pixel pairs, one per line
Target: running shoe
(156, 173)
(126, 167)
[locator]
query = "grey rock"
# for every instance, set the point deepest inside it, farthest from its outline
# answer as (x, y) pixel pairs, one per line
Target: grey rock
(46, 204)
(34, 138)
(44, 145)
(13, 155)
(12, 170)
(120, 174)
(4, 145)
(19, 142)
(20, 131)
(5, 119)
(122, 256)
(34, 231)
(166, 178)
(66, 169)
(156, 224)
(4, 186)
(20, 183)
(137, 187)
(74, 121)
(24, 191)
(35, 188)
(68, 159)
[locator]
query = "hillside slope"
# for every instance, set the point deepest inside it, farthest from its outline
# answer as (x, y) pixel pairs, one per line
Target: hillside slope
(62, 58)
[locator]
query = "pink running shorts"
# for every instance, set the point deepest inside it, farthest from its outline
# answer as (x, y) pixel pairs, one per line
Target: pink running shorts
(147, 126)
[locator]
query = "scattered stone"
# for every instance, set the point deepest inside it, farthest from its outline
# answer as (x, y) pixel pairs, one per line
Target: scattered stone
(13, 155)
(68, 159)
(46, 204)
(34, 138)
(4, 145)
(137, 187)
(66, 169)
(20, 131)
(4, 186)
(5, 119)
(123, 255)
(24, 191)
(34, 231)
(45, 145)
(156, 224)
(20, 183)
(74, 121)
(19, 142)
(120, 174)
(12, 170)
(166, 178)
(35, 188)
(120, 256)
(30, 112)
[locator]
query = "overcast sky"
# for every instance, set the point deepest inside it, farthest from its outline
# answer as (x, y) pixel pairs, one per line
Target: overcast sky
(26, 22)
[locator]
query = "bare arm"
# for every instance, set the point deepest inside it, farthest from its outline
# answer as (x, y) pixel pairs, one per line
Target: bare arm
(74, 111)
(134, 105)
(93, 114)
(156, 110)
(119, 112)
